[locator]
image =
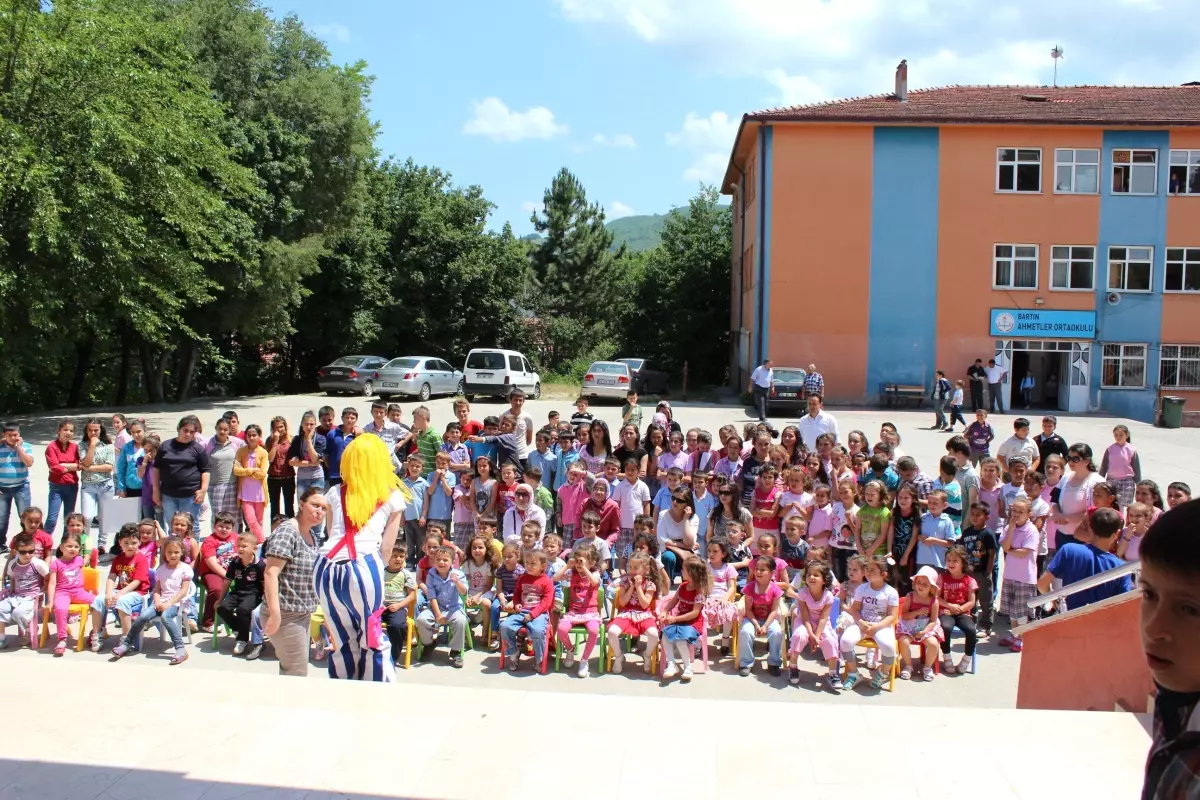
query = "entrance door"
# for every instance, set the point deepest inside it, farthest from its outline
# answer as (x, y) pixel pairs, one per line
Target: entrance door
(1004, 353)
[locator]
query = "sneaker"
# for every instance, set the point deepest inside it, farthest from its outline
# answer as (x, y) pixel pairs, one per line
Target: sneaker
(618, 664)
(512, 663)
(1007, 641)
(686, 675)
(927, 673)
(206, 628)
(1016, 646)
(775, 670)
(851, 680)
(834, 683)
(254, 653)
(794, 677)
(583, 669)
(60, 648)
(879, 680)
(948, 667)
(456, 659)
(569, 659)
(965, 664)
(94, 642)
(744, 672)
(427, 654)
(239, 647)
(120, 650)
(906, 673)
(671, 671)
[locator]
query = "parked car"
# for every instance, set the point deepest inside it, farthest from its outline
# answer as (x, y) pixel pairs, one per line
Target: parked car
(607, 379)
(418, 376)
(352, 374)
(492, 372)
(646, 378)
(789, 388)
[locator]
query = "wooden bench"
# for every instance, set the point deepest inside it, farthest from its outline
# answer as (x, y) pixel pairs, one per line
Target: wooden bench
(896, 395)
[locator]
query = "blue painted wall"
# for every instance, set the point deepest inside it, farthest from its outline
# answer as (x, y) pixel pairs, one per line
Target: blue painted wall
(902, 324)
(1137, 319)
(766, 168)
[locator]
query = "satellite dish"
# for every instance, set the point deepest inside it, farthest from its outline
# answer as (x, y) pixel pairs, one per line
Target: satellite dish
(1056, 53)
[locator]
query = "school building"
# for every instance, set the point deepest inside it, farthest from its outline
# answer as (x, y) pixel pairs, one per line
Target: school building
(1056, 230)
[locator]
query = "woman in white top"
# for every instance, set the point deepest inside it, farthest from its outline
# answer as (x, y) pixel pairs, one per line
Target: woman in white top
(1074, 493)
(365, 513)
(677, 528)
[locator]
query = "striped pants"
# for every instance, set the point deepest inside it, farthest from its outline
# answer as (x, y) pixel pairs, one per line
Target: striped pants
(351, 594)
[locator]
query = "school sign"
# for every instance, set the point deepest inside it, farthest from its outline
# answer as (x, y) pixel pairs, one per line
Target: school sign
(1020, 323)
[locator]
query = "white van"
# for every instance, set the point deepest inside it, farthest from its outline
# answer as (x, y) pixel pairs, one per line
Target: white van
(492, 372)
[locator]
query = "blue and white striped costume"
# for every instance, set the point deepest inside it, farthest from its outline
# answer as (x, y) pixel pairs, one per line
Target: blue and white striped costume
(349, 583)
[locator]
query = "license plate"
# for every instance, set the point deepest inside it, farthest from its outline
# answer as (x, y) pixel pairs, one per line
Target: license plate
(390, 385)
(781, 394)
(607, 382)
(337, 372)
(479, 375)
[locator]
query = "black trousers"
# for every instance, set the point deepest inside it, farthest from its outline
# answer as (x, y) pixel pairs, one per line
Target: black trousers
(287, 488)
(977, 396)
(966, 624)
(236, 610)
(983, 597)
(396, 624)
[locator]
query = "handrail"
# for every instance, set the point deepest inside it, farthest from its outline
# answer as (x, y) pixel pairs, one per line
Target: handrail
(1098, 579)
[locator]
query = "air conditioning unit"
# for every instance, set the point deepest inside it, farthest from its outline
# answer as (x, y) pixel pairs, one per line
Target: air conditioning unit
(1113, 298)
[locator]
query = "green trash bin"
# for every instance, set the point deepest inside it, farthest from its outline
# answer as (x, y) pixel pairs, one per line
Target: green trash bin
(1172, 412)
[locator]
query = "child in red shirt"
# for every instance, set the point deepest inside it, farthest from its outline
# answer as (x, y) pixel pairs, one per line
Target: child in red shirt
(529, 610)
(216, 553)
(685, 627)
(43, 543)
(126, 587)
(637, 593)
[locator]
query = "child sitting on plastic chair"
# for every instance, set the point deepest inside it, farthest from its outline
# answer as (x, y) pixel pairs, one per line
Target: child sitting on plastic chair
(584, 580)
(761, 616)
(685, 627)
(635, 600)
(920, 624)
(529, 610)
(23, 583)
(172, 586)
(814, 625)
(443, 588)
(243, 592)
(126, 589)
(874, 609)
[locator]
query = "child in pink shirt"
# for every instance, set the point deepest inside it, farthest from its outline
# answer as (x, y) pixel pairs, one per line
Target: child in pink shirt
(571, 496)
(66, 586)
(1020, 568)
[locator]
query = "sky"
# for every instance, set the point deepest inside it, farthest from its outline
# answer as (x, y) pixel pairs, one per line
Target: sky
(641, 99)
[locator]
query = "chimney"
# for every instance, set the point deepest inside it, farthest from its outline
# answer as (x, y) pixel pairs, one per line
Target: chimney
(902, 81)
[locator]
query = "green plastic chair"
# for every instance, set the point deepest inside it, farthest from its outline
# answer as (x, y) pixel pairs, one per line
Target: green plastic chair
(443, 634)
(578, 633)
(201, 597)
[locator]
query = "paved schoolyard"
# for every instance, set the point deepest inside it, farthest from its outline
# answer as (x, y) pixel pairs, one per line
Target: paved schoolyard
(1166, 455)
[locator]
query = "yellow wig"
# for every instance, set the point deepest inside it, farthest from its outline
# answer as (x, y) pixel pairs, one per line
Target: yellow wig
(367, 473)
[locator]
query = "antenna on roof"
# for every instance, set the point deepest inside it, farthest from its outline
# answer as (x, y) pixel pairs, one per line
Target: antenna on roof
(1056, 54)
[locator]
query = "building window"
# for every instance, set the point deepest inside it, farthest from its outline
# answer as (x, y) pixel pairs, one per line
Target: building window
(1135, 172)
(1015, 266)
(1077, 171)
(1018, 170)
(1183, 270)
(1179, 366)
(1130, 268)
(1124, 366)
(1185, 172)
(1072, 268)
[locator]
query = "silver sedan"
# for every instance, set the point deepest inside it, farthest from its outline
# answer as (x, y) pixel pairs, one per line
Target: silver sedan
(418, 376)
(606, 379)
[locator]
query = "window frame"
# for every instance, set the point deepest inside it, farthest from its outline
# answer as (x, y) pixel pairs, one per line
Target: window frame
(1108, 287)
(1013, 266)
(1189, 155)
(1073, 164)
(1121, 357)
(1069, 260)
(1167, 262)
(1131, 164)
(1165, 357)
(1041, 164)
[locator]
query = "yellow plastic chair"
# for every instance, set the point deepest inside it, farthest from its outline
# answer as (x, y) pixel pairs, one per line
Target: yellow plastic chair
(91, 583)
(626, 640)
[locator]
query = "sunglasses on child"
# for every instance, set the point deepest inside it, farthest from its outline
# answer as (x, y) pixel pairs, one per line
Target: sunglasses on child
(25, 552)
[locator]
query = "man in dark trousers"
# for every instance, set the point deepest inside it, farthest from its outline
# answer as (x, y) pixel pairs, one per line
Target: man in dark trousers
(978, 377)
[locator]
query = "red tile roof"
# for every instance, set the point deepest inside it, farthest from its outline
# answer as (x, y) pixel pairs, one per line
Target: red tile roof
(1039, 105)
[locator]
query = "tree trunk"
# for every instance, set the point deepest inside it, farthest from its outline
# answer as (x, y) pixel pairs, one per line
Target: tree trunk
(147, 356)
(83, 357)
(160, 373)
(188, 371)
(124, 368)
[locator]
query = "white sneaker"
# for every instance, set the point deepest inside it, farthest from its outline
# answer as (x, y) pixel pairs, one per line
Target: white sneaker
(618, 664)
(569, 659)
(239, 648)
(583, 669)
(671, 671)
(964, 665)
(927, 673)
(686, 675)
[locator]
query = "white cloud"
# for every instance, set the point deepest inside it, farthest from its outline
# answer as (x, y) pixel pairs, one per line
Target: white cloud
(620, 140)
(531, 206)
(336, 31)
(699, 133)
(499, 123)
(616, 209)
(709, 168)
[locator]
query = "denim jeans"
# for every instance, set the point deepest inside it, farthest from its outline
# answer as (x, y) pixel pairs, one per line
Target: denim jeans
(302, 485)
(62, 496)
(170, 618)
(537, 632)
(746, 644)
(939, 409)
(90, 498)
(8, 494)
(671, 563)
(170, 505)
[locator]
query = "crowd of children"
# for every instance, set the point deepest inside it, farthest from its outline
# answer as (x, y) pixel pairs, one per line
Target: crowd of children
(521, 538)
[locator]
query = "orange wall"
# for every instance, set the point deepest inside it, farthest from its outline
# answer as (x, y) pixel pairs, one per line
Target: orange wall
(973, 218)
(1087, 663)
(821, 251)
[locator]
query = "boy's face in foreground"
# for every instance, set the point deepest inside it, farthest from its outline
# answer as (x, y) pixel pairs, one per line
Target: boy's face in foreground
(1171, 627)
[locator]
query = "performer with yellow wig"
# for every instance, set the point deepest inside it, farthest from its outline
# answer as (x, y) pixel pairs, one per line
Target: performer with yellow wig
(365, 513)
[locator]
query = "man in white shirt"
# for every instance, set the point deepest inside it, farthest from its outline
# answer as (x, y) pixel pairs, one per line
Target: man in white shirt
(816, 422)
(762, 380)
(995, 377)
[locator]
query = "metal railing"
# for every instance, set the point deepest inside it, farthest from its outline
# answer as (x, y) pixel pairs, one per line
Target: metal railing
(1132, 568)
